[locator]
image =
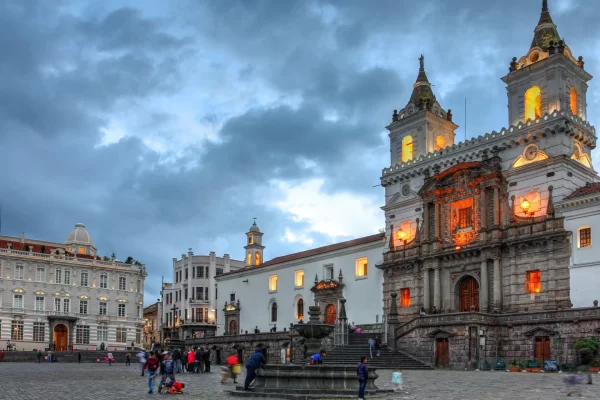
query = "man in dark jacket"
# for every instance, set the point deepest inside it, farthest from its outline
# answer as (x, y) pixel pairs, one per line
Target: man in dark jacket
(586, 358)
(362, 373)
(206, 359)
(177, 361)
(254, 363)
(198, 358)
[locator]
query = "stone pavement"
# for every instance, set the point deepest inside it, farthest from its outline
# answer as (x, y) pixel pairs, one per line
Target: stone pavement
(26, 381)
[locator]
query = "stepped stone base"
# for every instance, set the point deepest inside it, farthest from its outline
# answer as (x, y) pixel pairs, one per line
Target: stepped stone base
(68, 356)
(309, 382)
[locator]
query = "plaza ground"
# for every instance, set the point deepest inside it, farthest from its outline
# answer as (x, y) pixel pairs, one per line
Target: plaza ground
(25, 381)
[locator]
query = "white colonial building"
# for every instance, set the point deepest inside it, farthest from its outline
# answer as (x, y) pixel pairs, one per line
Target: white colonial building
(581, 210)
(277, 293)
(63, 295)
(189, 303)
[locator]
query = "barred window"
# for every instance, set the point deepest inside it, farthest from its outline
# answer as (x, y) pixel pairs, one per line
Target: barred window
(82, 334)
(465, 217)
(39, 330)
(585, 237)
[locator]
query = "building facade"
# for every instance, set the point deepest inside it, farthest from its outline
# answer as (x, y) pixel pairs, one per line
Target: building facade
(474, 227)
(151, 325)
(63, 295)
(272, 295)
(188, 303)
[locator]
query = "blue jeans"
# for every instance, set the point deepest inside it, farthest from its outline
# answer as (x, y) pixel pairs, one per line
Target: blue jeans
(362, 385)
(164, 379)
(250, 375)
(151, 376)
(178, 366)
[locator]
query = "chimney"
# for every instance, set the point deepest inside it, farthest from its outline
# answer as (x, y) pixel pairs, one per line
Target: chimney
(23, 237)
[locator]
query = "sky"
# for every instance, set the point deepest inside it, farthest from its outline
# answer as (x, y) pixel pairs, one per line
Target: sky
(165, 126)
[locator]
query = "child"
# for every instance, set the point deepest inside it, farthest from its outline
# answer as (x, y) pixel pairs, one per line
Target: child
(362, 373)
(176, 387)
(317, 359)
(397, 379)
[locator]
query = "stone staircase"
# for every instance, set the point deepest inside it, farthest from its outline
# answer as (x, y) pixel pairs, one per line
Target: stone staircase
(359, 346)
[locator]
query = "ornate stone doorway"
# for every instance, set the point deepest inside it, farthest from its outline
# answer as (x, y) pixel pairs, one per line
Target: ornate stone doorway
(61, 337)
(233, 327)
(330, 314)
(469, 295)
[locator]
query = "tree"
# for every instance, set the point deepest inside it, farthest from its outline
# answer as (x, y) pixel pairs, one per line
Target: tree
(105, 258)
(26, 247)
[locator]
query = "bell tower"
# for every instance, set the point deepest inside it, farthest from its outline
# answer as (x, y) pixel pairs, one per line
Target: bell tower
(421, 127)
(254, 247)
(548, 78)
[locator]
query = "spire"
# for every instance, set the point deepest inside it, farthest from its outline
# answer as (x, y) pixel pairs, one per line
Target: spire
(422, 93)
(422, 77)
(545, 31)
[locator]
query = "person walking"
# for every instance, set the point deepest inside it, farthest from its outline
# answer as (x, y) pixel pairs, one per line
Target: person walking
(198, 360)
(586, 358)
(152, 366)
(128, 359)
(110, 358)
(362, 373)
(142, 360)
(254, 363)
(378, 345)
(39, 356)
(371, 346)
(78, 357)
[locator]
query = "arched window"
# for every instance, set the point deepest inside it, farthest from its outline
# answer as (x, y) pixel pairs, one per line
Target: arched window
(300, 309)
(533, 103)
(407, 148)
(274, 312)
(257, 258)
(233, 327)
(440, 143)
(249, 262)
(330, 314)
(574, 101)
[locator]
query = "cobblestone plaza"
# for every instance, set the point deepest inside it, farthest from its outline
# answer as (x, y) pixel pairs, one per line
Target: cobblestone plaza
(67, 381)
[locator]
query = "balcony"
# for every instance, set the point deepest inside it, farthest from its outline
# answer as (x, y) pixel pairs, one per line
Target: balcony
(103, 318)
(18, 310)
(196, 301)
(189, 322)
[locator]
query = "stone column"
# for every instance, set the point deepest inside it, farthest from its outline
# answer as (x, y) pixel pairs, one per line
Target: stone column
(483, 289)
(426, 294)
(426, 221)
(513, 278)
(497, 284)
(437, 219)
(496, 206)
(437, 294)
(483, 205)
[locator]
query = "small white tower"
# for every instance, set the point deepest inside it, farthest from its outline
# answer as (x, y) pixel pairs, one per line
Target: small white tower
(254, 247)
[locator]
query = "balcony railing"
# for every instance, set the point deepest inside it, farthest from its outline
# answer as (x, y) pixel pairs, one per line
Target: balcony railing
(196, 301)
(67, 258)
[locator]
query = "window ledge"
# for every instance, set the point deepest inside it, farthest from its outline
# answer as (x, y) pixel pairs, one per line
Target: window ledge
(298, 287)
(360, 278)
(272, 291)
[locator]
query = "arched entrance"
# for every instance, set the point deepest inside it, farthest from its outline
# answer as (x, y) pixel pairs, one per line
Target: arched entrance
(61, 337)
(330, 314)
(233, 327)
(469, 294)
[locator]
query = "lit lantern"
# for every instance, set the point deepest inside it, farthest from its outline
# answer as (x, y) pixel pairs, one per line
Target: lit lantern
(526, 206)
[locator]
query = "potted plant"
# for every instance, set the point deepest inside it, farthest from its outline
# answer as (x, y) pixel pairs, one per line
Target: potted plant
(514, 366)
(595, 366)
(534, 366)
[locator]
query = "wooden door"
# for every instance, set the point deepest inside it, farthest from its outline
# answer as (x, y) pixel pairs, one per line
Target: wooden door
(233, 327)
(61, 336)
(442, 353)
(330, 314)
(542, 349)
(469, 295)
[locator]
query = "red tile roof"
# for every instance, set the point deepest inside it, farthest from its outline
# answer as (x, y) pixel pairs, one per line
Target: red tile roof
(317, 251)
(37, 248)
(589, 188)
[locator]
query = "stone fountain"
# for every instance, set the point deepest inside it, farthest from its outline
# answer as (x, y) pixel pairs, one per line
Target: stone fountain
(314, 331)
(303, 382)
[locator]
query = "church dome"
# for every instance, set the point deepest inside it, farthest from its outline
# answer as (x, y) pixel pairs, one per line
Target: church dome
(80, 235)
(254, 227)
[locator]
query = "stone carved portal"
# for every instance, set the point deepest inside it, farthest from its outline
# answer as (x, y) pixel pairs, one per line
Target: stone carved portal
(327, 294)
(232, 316)
(469, 295)
(330, 314)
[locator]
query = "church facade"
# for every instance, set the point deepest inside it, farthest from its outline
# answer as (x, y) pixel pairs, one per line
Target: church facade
(476, 231)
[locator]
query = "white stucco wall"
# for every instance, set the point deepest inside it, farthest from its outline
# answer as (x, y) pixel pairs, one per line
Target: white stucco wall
(585, 263)
(364, 295)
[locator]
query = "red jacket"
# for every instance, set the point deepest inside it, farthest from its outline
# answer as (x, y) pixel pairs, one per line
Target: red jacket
(152, 364)
(232, 360)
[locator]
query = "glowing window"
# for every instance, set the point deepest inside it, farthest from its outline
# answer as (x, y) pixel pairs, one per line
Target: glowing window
(465, 217)
(574, 101)
(585, 237)
(407, 148)
(273, 283)
(300, 309)
(249, 259)
(362, 267)
(533, 283)
(81, 250)
(405, 297)
(299, 278)
(440, 143)
(533, 103)
(257, 258)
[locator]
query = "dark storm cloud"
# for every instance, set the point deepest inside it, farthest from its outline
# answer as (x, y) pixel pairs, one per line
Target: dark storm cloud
(66, 75)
